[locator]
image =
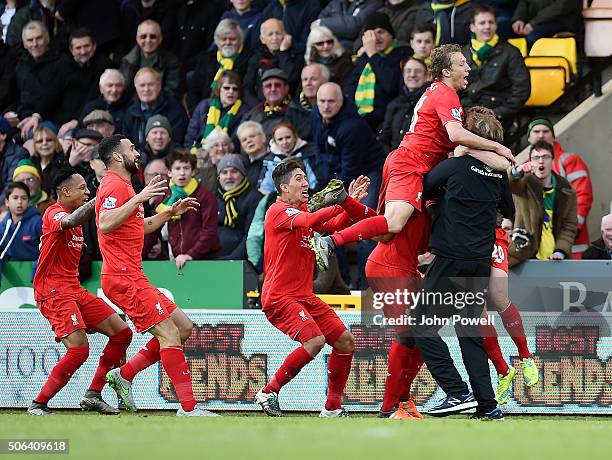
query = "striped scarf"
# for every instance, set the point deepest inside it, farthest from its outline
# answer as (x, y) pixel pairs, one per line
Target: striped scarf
(304, 102)
(441, 16)
(225, 63)
(480, 50)
(231, 212)
(364, 95)
(272, 110)
(177, 193)
(427, 60)
(214, 118)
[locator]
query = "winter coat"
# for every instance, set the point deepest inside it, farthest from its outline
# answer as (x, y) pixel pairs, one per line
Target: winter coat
(302, 150)
(399, 116)
(293, 114)
(48, 174)
(116, 109)
(403, 18)
(296, 15)
(256, 169)
(345, 18)
(166, 63)
(458, 26)
(163, 12)
(34, 11)
(597, 251)
(340, 69)
(528, 194)
(196, 21)
(101, 17)
(233, 240)
(20, 241)
(136, 119)
(388, 80)
(197, 122)
(8, 85)
(147, 155)
(565, 12)
(346, 147)
(249, 22)
(9, 158)
(501, 83)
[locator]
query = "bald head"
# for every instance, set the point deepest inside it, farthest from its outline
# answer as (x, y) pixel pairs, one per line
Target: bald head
(329, 100)
(606, 231)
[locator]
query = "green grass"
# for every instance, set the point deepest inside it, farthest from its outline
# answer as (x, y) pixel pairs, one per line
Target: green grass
(160, 435)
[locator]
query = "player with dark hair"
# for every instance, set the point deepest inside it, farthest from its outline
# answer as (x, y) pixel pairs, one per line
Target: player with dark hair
(287, 298)
(121, 229)
(71, 310)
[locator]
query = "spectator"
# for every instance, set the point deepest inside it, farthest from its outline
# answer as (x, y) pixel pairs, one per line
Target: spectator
(296, 16)
(276, 51)
(7, 12)
(230, 54)
(573, 168)
(253, 143)
(345, 18)
(504, 9)
(155, 244)
(285, 143)
(545, 209)
(216, 146)
(28, 174)
(399, 112)
(451, 19)
(499, 79)
(38, 83)
(323, 47)
(313, 76)
(81, 153)
(158, 137)
(101, 121)
(134, 12)
(34, 10)
(112, 98)
(47, 156)
(276, 107)
(151, 101)
(402, 14)
(81, 71)
(224, 110)
(21, 227)
(377, 76)
(535, 19)
(422, 40)
(601, 249)
(8, 88)
(193, 236)
(248, 18)
(10, 155)
(237, 201)
(149, 53)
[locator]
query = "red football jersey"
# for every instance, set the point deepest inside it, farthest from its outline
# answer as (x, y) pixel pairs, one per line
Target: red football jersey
(60, 251)
(427, 138)
(122, 248)
(288, 260)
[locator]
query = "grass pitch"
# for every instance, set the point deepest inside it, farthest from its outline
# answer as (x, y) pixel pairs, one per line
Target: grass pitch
(161, 435)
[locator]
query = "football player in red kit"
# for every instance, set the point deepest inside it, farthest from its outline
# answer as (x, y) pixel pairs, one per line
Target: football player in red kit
(121, 229)
(71, 310)
(287, 298)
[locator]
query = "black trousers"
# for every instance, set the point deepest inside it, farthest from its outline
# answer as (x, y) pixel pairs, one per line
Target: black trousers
(455, 278)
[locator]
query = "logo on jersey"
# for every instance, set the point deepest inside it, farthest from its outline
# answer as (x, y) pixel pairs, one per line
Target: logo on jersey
(59, 215)
(292, 211)
(75, 321)
(457, 114)
(109, 203)
(303, 315)
(160, 310)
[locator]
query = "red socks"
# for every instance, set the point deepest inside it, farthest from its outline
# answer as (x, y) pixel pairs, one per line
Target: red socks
(112, 356)
(175, 365)
(338, 369)
(415, 361)
(61, 373)
(363, 230)
(141, 360)
(491, 346)
(292, 365)
(399, 356)
(514, 325)
(357, 210)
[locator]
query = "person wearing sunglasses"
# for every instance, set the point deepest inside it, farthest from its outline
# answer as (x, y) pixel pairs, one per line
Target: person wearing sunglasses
(322, 47)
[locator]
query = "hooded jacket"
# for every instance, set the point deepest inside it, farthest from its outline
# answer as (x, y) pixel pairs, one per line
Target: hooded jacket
(20, 241)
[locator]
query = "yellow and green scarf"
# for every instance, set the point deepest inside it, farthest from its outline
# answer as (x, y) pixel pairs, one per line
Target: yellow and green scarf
(481, 50)
(225, 63)
(177, 193)
(272, 110)
(440, 9)
(304, 102)
(364, 95)
(427, 60)
(214, 118)
(229, 198)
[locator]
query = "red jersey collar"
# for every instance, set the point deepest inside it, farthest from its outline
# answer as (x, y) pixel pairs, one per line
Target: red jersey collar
(127, 181)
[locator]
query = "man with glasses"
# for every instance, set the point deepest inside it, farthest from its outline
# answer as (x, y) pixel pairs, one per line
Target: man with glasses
(545, 222)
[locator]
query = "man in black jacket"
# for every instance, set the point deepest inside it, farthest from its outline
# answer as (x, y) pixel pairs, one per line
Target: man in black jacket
(601, 249)
(462, 237)
(10, 155)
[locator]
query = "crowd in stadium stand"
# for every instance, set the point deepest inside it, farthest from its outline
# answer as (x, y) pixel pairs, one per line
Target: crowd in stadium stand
(215, 93)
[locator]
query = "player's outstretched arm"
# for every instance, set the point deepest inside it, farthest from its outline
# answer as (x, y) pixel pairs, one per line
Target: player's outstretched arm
(491, 159)
(110, 219)
(459, 135)
(79, 216)
(178, 208)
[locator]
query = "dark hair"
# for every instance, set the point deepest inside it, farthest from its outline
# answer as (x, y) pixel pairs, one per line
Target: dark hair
(441, 59)
(80, 32)
(231, 77)
(542, 145)
(63, 175)
(421, 28)
(282, 173)
(108, 145)
(20, 185)
(180, 155)
(479, 9)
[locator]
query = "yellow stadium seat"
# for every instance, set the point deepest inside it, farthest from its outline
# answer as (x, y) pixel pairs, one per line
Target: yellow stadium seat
(342, 302)
(597, 27)
(557, 47)
(553, 62)
(547, 85)
(520, 43)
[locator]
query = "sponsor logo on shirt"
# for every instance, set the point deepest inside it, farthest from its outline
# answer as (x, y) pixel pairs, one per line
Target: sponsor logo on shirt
(292, 211)
(488, 173)
(457, 114)
(109, 203)
(76, 242)
(59, 215)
